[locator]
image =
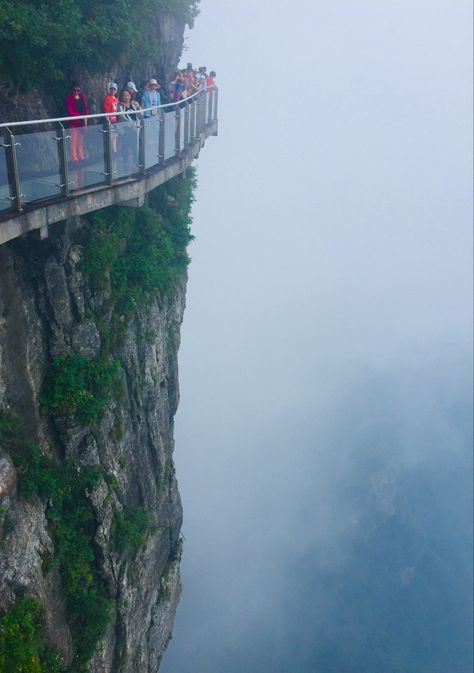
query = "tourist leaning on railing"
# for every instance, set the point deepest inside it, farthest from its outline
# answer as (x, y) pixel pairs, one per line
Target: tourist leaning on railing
(211, 80)
(110, 104)
(151, 97)
(75, 107)
(128, 128)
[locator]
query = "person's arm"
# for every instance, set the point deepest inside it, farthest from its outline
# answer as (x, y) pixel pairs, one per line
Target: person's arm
(138, 117)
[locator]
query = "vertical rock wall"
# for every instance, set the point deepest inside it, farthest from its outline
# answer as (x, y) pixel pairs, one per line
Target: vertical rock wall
(47, 307)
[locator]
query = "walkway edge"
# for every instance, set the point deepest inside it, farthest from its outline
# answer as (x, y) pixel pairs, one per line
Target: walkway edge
(131, 190)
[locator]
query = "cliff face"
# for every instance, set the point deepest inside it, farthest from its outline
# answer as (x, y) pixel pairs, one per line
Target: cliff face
(53, 315)
(90, 513)
(41, 103)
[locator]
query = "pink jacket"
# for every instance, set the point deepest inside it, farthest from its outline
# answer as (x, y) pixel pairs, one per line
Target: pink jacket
(72, 109)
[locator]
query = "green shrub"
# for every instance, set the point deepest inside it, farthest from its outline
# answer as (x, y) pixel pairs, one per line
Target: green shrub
(40, 42)
(130, 528)
(140, 253)
(37, 474)
(79, 387)
(73, 526)
(22, 645)
(10, 426)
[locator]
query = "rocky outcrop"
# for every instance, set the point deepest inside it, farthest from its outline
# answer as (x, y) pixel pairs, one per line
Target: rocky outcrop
(48, 307)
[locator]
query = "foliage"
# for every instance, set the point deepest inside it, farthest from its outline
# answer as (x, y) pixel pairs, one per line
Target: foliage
(42, 42)
(140, 252)
(130, 528)
(10, 425)
(77, 386)
(22, 646)
(72, 522)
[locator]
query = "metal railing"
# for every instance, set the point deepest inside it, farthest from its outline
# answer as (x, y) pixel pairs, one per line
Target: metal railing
(61, 159)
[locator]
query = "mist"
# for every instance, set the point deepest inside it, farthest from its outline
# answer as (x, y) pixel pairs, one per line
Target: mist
(324, 435)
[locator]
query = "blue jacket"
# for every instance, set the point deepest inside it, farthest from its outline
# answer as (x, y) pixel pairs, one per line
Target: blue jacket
(147, 102)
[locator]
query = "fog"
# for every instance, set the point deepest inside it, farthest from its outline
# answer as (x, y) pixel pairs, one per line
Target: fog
(323, 439)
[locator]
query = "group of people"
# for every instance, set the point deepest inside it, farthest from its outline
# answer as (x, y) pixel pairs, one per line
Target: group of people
(185, 83)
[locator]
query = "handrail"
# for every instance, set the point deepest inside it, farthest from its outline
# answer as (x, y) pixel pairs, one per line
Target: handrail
(31, 122)
(34, 174)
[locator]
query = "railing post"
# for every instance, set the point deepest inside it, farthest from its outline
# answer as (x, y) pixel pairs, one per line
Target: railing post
(63, 162)
(12, 168)
(192, 129)
(141, 148)
(161, 144)
(186, 125)
(210, 104)
(108, 149)
(202, 108)
(198, 117)
(5, 144)
(177, 135)
(216, 100)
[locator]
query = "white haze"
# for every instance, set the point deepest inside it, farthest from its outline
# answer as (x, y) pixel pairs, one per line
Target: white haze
(327, 337)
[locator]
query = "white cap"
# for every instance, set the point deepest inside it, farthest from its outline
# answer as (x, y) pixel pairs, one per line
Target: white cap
(131, 85)
(113, 85)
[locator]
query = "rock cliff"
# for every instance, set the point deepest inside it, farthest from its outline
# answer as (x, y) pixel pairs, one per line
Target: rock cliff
(90, 511)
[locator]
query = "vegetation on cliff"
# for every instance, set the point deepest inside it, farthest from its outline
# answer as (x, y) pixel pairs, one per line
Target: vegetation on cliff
(64, 488)
(130, 257)
(44, 42)
(135, 255)
(22, 645)
(80, 387)
(140, 253)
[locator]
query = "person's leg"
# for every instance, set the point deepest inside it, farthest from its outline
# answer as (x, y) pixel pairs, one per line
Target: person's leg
(80, 144)
(74, 133)
(114, 140)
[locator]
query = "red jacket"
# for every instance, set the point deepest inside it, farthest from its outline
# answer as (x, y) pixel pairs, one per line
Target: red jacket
(110, 104)
(73, 109)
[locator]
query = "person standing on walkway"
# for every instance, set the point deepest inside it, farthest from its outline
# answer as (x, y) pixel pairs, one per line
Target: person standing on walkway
(151, 98)
(210, 80)
(129, 126)
(111, 104)
(76, 107)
